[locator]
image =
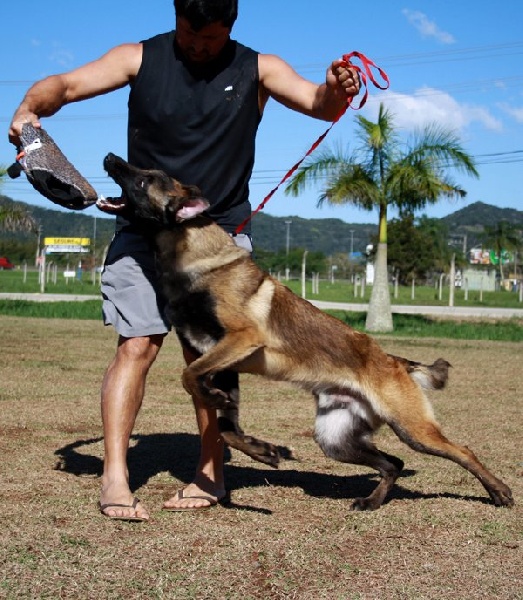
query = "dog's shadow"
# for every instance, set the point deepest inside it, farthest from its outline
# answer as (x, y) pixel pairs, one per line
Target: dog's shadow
(178, 453)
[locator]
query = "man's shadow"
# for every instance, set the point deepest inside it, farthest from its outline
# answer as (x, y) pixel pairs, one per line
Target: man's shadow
(177, 453)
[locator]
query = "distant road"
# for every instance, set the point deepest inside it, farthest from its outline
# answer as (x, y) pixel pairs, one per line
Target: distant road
(49, 297)
(435, 311)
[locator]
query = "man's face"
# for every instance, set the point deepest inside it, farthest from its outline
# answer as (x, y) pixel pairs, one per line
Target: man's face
(203, 45)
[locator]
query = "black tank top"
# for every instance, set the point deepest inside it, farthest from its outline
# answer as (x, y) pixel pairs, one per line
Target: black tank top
(198, 123)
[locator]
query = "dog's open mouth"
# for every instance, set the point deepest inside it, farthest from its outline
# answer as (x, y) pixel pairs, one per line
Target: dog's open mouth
(111, 205)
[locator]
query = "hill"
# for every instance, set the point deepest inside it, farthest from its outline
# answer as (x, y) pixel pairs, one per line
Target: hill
(471, 220)
(329, 236)
(270, 233)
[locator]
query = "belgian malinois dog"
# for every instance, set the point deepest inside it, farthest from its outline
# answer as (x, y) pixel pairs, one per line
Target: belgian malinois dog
(238, 317)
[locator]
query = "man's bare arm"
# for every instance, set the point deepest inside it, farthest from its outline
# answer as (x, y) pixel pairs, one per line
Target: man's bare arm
(112, 71)
(280, 81)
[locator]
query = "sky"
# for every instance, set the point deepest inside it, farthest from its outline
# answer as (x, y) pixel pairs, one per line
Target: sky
(458, 64)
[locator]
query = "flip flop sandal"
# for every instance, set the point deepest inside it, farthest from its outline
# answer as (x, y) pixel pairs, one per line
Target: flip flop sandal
(135, 518)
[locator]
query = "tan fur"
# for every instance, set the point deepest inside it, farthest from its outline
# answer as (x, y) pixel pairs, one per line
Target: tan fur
(267, 330)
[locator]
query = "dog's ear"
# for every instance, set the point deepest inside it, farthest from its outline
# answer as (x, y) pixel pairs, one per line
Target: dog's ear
(188, 208)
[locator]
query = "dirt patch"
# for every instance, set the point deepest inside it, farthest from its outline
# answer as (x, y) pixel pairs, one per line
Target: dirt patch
(289, 532)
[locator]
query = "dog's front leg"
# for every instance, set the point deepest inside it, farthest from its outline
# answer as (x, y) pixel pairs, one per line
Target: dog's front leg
(198, 377)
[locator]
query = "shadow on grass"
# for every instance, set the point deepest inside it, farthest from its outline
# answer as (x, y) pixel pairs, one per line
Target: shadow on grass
(178, 453)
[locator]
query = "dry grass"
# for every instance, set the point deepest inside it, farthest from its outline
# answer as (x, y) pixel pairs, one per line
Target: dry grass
(288, 533)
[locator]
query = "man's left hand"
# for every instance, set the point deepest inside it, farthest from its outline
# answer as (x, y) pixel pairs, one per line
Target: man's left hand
(341, 75)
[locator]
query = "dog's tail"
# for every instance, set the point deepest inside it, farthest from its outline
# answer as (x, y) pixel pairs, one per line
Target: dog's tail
(430, 377)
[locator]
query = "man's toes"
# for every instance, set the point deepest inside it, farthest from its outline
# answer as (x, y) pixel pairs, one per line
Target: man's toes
(118, 510)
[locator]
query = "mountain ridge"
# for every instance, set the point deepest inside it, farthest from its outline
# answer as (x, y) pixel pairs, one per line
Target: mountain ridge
(329, 235)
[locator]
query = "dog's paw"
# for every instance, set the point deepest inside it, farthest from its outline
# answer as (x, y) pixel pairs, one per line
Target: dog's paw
(216, 398)
(502, 496)
(361, 504)
(263, 452)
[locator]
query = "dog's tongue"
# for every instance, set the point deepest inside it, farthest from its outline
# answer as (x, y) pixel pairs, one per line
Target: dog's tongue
(111, 205)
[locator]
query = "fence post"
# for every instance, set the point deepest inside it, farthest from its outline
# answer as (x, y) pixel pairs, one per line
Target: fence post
(303, 280)
(440, 293)
(41, 266)
(452, 279)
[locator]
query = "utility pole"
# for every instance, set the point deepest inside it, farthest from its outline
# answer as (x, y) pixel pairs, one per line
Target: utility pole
(94, 252)
(287, 246)
(94, 242)
(351, 242)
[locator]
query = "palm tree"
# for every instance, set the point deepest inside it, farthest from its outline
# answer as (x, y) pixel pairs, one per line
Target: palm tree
(383, 173)
(501, 237)
(12, 217)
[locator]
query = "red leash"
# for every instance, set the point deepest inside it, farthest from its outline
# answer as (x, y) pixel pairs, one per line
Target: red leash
(364, 72)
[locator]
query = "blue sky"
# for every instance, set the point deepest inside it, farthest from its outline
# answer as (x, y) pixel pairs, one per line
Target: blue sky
(457, 63)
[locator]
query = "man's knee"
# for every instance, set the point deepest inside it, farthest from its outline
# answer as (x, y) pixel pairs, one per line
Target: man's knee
(140, 349)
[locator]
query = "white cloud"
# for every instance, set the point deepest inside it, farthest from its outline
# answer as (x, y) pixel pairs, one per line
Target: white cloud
(428, 105)
(515, 112)
(60, 56)
(426, 27)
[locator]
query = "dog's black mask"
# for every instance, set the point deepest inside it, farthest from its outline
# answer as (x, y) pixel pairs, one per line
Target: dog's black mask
(151, 199)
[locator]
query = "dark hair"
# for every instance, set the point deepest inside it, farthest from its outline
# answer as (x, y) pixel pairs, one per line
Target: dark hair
(200, 13)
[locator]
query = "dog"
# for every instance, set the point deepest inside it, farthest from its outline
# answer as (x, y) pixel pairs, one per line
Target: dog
(237, 317)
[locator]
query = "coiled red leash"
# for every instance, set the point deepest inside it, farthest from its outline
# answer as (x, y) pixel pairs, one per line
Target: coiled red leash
(365, 73)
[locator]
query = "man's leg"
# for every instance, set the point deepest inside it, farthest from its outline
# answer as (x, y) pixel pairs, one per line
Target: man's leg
(208, 480)
(122, 394)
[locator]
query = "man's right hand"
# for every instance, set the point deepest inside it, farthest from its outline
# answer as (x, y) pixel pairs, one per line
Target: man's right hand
(21, 117)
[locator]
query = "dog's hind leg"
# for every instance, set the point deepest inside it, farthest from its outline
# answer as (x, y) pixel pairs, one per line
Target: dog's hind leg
(344, 428)
(425, 435)
(228, 422)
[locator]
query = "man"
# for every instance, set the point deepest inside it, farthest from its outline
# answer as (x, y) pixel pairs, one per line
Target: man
(196, 100)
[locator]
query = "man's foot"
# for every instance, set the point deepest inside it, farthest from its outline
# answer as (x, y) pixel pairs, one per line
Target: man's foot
(105, 508)
(120, 504)
(193, 497)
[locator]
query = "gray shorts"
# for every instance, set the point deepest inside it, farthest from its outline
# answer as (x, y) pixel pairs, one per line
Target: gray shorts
(132, 300)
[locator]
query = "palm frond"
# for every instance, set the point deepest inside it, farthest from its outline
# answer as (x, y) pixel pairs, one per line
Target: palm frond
(321, 165)
(444, 149)
(16, 219)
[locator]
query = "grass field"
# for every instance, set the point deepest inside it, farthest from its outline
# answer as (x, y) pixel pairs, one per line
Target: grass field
(339, 291)
(288, 533)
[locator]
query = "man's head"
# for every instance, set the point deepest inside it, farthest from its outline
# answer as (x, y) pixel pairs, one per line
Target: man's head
(200, 13)
(203, 27)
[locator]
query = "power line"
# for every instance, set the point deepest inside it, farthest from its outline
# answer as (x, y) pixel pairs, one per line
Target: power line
(270, 177)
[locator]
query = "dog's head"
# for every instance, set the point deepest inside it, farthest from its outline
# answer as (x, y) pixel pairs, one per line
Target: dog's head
(150, 196)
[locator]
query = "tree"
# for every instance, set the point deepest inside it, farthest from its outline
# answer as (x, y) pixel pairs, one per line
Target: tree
(409, 252)
(383, 173)
(12, 217)
(501, 237)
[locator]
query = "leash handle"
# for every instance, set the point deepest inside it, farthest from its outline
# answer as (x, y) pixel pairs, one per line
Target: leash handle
(365, 73)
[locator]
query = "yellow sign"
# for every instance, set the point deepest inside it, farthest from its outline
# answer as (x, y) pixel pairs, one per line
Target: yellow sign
(59, 241)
